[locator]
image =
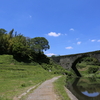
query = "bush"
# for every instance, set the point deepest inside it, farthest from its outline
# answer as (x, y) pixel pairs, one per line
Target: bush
(46, 66)
(93, 69)
(81, 65)
(54, 68)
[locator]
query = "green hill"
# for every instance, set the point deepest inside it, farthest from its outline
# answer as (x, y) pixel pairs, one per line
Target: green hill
(16, 77)
(7, 59)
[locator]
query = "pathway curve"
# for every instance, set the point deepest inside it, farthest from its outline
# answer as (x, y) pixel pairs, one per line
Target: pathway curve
(45, 91)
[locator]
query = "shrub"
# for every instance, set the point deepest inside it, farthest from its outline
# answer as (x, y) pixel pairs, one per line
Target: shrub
(93, 69)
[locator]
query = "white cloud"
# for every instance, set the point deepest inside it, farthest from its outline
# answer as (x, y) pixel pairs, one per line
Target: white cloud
(78, 43)
(98, 41)
(54, 34)
(69, 47)
(71, 29)
(93, 40)
(50, 54)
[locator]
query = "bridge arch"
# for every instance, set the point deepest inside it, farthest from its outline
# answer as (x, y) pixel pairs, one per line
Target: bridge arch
(77, 60)
(69, 61)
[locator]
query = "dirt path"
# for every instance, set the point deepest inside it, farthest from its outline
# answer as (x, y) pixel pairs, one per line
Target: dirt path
(45, 91)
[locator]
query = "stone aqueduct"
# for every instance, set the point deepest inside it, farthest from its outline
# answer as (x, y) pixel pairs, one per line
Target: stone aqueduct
(70, 61)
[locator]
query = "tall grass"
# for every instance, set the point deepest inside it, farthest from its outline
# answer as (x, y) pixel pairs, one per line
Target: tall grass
(59, 88)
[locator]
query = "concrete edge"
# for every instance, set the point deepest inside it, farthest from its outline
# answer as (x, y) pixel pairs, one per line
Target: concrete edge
(23, 94)
(71, 96)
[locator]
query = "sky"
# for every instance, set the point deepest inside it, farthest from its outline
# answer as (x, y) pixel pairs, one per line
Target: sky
(70, 26)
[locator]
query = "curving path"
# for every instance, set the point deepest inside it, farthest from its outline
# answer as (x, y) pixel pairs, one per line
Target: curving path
(45, 91)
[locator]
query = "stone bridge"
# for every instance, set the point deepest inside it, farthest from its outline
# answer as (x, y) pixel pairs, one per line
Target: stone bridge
(70, 61)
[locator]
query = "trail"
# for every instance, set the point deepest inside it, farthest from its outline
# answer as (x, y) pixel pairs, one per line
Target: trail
(45, 91)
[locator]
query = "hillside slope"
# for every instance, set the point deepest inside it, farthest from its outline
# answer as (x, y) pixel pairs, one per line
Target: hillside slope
(16, 77)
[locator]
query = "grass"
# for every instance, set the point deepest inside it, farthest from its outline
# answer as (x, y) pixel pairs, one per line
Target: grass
(59, 88)
(16, 78)
(83, 68)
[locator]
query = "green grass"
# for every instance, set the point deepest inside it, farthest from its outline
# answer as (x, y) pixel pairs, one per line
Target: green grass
(7, 59)
(59, 88)
(16, 78)
(83, 68)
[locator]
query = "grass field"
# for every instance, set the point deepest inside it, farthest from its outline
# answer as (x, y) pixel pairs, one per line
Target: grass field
(15, 77)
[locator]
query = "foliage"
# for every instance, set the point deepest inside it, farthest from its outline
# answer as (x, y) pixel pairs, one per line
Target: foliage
(23, 48)
(54, 68)
(93, 69)
(81, 65)
(38, 44)
(88, 66)
(89, 60)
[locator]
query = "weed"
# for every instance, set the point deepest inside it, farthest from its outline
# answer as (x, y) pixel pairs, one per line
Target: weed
(59, 88)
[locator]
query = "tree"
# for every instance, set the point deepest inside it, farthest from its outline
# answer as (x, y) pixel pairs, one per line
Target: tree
(19, 44)
(20, 49)
(23, 48)
(2, 31)
(38, 44)
(3, 34)
(11, 33)
(5, 40)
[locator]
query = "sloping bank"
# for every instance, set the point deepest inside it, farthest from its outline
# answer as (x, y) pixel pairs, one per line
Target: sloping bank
(62, 91)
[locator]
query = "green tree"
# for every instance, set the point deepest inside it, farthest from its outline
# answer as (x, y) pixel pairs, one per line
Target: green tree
(23, 47)
(3, 34)
(20, 49)
(5, 39)
(19, 44)
(38, 44)
(2, 31)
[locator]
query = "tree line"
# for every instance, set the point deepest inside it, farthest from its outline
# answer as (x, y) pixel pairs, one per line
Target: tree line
(23, 48)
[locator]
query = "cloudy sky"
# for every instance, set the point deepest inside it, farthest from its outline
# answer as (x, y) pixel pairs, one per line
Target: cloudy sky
(70, 26)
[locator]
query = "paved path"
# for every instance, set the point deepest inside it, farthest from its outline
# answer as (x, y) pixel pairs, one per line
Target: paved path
(45, 91)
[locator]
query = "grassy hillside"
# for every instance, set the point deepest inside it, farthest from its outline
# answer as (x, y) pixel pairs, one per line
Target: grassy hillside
(88, 67)
(7, 59)
(17, 77)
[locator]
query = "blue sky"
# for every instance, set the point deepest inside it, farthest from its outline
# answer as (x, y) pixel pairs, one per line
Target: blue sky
(70, 26)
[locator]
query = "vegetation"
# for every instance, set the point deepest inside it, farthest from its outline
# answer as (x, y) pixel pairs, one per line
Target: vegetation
(54, 68)
(21, 47)
(16, 77)
(23, 63)
(59, 88)
(88, 66)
